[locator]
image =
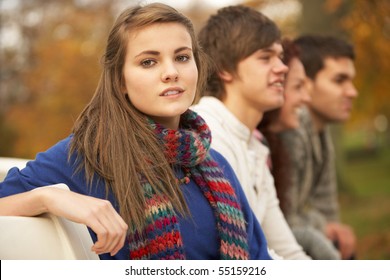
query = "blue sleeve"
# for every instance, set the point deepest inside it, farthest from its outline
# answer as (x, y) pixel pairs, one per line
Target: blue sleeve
(53, 167)
(49, 167)
(257, 243)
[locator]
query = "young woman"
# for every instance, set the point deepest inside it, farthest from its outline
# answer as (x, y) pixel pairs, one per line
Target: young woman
(273, 124)
(137, 150)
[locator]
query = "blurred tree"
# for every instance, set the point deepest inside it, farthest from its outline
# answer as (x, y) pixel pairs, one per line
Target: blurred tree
(59, 69)
(369, 25)
(323, 16)
(50, 73)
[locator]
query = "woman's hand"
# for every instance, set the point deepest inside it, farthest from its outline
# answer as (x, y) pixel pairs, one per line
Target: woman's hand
(98, 214)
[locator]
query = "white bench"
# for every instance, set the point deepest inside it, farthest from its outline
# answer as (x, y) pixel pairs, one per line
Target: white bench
(45, 237)
(7, 163)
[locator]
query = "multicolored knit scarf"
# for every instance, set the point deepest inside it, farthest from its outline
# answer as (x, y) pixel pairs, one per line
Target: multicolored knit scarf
(188, 147)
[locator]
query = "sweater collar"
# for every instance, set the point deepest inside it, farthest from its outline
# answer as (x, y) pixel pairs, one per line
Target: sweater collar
(218, 110)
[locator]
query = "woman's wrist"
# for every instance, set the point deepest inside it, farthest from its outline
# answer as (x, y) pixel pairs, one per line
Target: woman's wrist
(41, 198)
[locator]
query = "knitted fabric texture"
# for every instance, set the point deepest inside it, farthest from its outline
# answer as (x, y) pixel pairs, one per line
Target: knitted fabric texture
(188, 148)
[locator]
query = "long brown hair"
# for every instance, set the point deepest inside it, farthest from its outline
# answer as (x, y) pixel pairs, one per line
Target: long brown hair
(112, 138)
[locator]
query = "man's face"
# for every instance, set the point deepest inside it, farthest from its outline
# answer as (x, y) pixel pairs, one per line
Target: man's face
(333, 91)
(259, 83)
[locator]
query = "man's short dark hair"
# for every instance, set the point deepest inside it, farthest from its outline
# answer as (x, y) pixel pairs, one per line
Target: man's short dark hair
(314, 49)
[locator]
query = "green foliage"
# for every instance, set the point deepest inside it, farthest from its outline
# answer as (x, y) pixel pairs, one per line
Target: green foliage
(365, 204)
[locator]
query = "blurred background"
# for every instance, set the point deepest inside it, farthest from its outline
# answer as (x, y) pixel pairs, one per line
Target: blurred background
(49, 67)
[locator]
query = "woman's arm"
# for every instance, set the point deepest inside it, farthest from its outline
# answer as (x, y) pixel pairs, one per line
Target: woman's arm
(22, 204)
(98, 214)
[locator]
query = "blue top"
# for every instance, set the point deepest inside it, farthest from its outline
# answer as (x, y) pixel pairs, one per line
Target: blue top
(199, 233)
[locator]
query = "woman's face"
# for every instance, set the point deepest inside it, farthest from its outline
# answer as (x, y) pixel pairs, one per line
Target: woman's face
(160, 72)
(296, 94)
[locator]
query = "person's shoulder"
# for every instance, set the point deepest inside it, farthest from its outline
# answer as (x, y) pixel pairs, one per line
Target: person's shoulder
(223, 163)
(211, 110)
(63, 144)
(300, 133)
(208, 108)
(58, 151)
(227, 170)
(206, 102)
(217, 156)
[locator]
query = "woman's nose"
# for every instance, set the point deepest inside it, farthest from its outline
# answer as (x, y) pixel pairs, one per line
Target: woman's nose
(170, 73)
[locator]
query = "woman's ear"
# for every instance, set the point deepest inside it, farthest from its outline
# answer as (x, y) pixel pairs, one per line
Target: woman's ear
(123, 89)
(123, 85)
(225, 76)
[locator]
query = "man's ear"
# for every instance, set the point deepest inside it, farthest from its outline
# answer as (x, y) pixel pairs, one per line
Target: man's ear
(225, 76)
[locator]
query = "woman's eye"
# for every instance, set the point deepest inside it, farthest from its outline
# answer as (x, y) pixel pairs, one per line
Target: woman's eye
(182, 58)
(147, 63)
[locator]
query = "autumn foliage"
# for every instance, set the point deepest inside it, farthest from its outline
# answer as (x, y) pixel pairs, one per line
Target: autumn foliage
(49, 75)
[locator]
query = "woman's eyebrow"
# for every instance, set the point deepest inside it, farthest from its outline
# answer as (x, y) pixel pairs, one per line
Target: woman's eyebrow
(182, 49)
(150, 52)
(156, 53)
